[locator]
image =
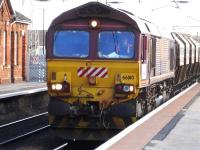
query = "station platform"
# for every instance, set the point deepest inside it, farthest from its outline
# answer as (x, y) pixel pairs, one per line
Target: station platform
(174, 125)
(182, 132)
(23, 88)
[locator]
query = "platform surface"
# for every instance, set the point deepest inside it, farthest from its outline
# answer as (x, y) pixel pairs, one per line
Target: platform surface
(16, 89)
(182, 133)
(174, 125)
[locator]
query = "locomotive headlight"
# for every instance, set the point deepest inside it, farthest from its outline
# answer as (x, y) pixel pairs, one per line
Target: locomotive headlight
(53, 86)
(58, 86)
(131, 88)
(126, 88)
(94, 23)
(61, 89)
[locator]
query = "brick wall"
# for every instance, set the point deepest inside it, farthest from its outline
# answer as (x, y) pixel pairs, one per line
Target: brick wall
(12, 71)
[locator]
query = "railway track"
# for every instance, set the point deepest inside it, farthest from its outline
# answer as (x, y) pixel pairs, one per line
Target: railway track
(34, 133)
(74, 145)
(61, 146)
(23, 132)
(22, 128)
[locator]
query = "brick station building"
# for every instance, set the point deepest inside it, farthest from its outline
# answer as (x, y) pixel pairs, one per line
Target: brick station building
(13, 43)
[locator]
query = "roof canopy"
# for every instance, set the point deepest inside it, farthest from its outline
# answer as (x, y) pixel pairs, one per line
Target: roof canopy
(16, 16)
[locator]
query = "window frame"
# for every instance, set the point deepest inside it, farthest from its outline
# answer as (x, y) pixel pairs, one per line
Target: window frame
(93, 38)
(68, 57)
(116, 30)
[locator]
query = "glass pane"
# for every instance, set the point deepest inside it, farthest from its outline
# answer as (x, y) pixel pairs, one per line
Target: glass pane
(71, 44)
(116, 44)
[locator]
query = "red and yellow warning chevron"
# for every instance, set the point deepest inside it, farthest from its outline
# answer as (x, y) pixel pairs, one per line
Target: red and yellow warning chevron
(99, 72)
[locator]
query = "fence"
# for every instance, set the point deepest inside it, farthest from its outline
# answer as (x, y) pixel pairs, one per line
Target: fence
(37, 67)
(36, 70)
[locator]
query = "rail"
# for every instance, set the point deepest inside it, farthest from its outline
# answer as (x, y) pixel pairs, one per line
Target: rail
(24, 127)
(61, 146)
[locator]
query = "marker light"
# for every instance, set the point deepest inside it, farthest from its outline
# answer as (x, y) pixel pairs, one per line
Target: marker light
(94, 23)
(131, 88)
(119, 88)
(53, 86)
(58, 86)
(61, 89)
(126, 88)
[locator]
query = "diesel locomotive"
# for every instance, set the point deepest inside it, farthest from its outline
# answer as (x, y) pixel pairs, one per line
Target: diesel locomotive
(106, 68)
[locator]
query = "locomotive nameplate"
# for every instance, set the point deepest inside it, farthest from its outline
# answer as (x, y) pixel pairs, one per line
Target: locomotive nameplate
(127, 78)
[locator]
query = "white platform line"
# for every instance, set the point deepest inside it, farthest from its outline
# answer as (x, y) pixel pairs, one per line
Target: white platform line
(22, 92)
(130, 128)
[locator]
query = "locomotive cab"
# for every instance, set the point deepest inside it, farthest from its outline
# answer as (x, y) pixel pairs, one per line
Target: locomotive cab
(100, 68)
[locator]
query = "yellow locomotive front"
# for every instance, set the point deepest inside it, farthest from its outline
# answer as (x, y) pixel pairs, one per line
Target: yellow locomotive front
(93, 69)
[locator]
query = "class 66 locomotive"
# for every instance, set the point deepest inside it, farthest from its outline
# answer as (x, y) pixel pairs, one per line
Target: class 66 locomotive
(106, 68)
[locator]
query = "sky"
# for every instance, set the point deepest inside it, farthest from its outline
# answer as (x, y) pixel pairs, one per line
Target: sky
(165, 13)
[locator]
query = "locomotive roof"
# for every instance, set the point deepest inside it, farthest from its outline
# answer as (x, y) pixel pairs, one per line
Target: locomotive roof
(99, 10)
